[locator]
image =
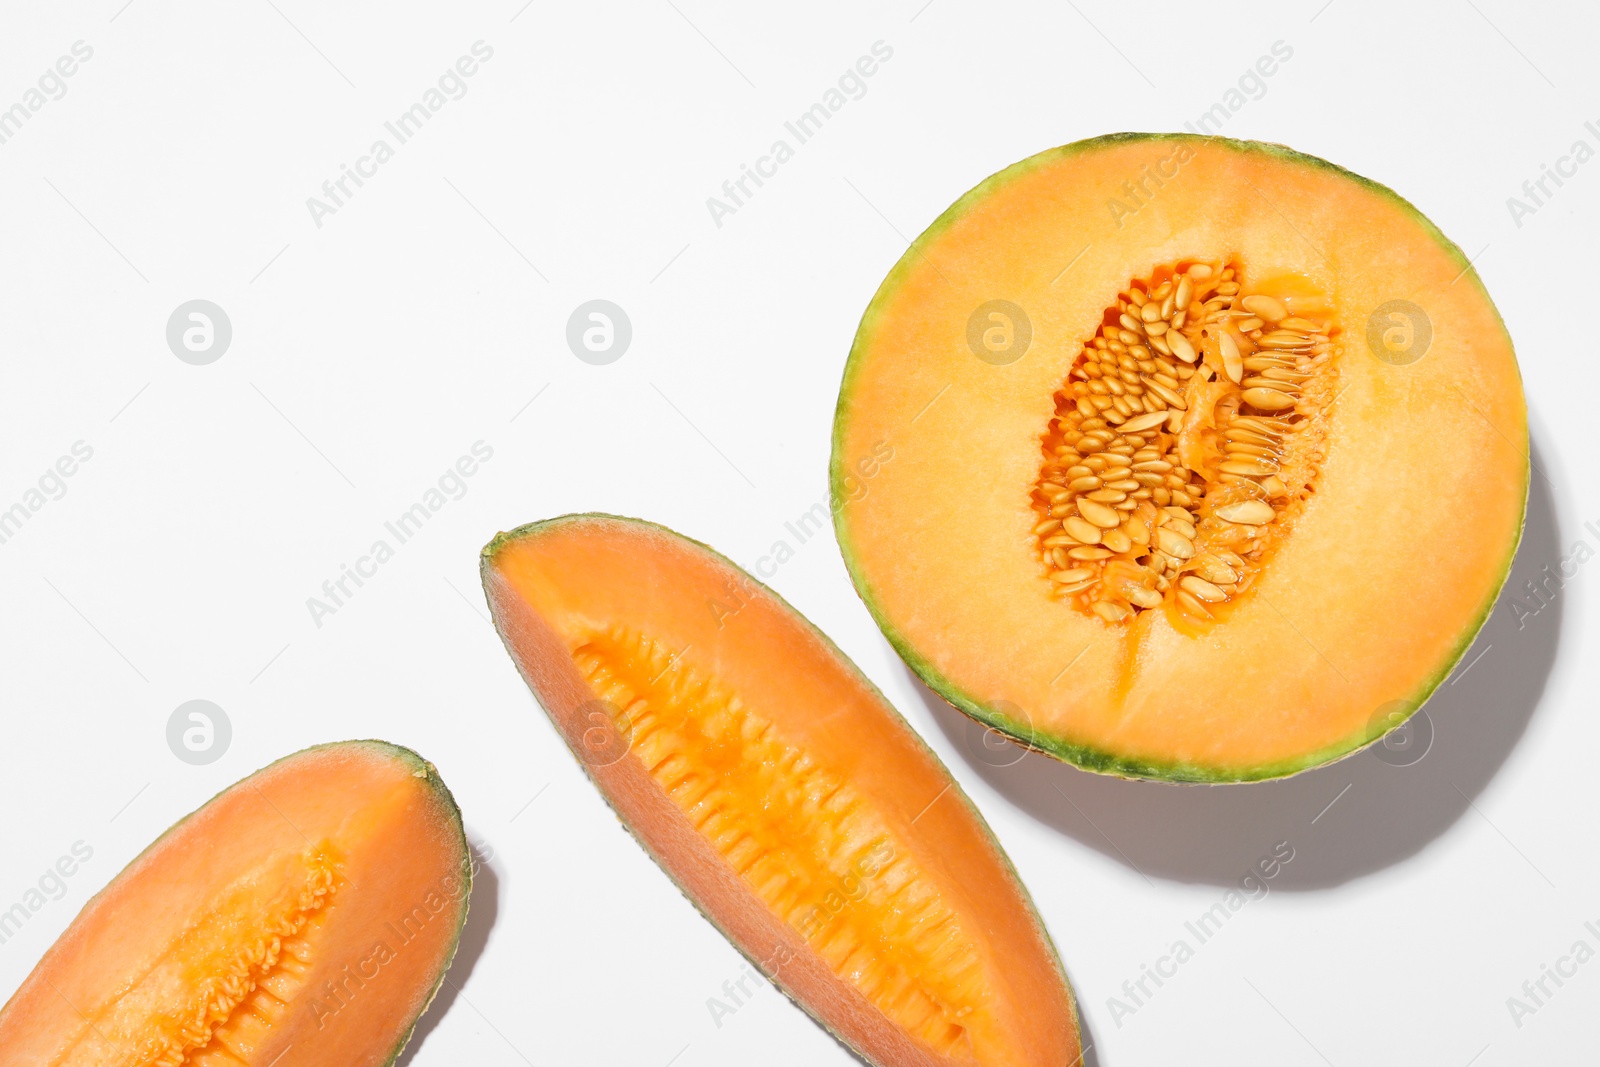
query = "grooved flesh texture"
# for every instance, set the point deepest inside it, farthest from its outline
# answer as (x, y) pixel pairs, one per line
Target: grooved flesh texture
(222, 982)
(804, 840)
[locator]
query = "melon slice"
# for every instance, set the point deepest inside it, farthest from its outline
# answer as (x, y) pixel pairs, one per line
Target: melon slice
(304, 917)
(782, 793)
(1209, 457)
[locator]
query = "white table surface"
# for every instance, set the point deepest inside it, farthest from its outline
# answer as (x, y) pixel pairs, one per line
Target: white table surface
(428, 312)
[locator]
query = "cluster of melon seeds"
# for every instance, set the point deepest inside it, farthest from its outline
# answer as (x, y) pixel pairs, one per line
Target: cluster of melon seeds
(1186, 440)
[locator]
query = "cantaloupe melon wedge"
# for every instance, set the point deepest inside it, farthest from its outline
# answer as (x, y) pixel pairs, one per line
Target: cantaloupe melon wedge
(787, 799)
(303, 918)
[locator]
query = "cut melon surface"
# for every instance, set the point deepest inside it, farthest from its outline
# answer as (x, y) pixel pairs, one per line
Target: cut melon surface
(1209, 457)
(303, 917)
(784, 795)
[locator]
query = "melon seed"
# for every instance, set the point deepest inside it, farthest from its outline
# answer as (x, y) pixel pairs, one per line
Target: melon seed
(1166, 393)
(1098, 513)
(1144, 422)
(1144, 598)
(1202, 589)
(1268, 399)
(1192, 604)
(1174, 543)
(1264, 307)
(1086, 532)
(1232, 362)
(1285, 339)
(1184, 293)
(1211, 569)
(1250, 467)
(1181, 346)
(1247, 512)
(1109, 611)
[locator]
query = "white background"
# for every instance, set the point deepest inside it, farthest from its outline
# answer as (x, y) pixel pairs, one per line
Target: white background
(429, 312)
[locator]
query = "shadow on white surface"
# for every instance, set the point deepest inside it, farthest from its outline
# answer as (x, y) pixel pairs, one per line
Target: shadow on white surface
(1086, 1038)
(1345, 820)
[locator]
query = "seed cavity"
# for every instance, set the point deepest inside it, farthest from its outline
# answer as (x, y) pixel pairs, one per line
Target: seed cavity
(1187, 438)
(216, 990)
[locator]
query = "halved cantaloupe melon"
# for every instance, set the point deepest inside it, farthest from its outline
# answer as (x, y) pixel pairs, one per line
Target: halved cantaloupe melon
(1210, 457)
(781, 792)
(304, 917)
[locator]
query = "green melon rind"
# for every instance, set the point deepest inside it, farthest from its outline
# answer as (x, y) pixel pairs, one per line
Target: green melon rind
(533, 528)
(1086, 756)
(447, 803)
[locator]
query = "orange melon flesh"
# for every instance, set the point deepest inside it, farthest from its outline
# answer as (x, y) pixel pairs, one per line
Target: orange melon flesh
(788, 800)
(1388, 572)
(303, 917)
